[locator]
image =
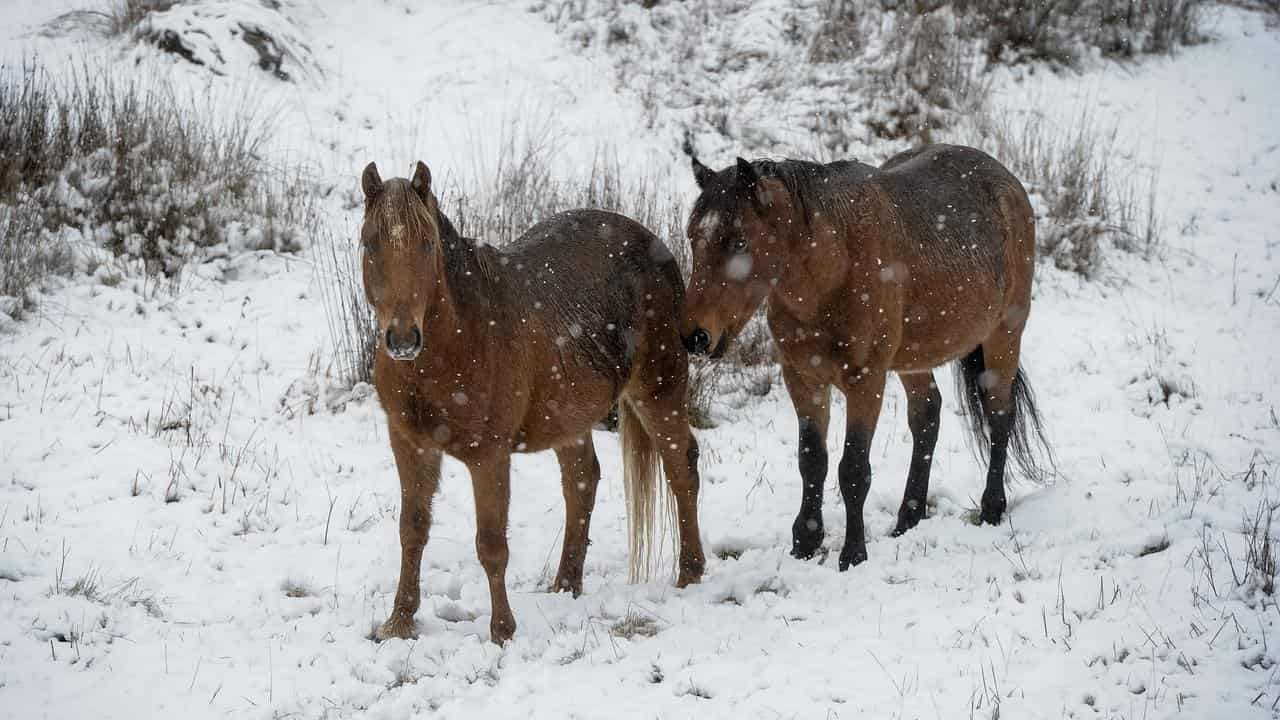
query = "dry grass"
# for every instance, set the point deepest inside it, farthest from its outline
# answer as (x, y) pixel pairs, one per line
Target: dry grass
(634, 624)
(1082, 197)
(1062, 31)
(922, 58)
(353, 329)
(1259, 568)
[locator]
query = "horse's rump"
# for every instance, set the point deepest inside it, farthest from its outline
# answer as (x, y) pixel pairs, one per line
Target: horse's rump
(595, 281)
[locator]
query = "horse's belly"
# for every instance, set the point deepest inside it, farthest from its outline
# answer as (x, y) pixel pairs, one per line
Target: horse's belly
(928, 342)
(565, 406)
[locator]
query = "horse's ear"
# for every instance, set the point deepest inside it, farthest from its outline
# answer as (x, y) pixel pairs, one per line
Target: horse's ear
(421, 182)
(370, 181)
(701, 173)
(747, 179)
(762, 191)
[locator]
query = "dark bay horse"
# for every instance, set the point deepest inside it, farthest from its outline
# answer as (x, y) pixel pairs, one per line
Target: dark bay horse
(922, 261)
(484, 353)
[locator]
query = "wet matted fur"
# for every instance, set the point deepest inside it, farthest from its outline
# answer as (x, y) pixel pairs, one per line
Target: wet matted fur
(925, 260)
(483, 353)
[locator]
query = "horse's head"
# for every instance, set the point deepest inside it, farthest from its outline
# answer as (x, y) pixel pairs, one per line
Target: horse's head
(739, 231)
(402, 257)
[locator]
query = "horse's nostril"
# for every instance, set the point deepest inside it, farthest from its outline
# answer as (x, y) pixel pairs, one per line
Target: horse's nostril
(698, 342)
(404, 346)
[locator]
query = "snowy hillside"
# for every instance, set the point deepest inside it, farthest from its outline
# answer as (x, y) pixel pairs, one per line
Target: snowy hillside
(198, 518)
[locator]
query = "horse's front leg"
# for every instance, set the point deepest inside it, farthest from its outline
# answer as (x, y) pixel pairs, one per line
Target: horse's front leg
(419, 469)
(864, 393)
(491, 481)
(812, 401)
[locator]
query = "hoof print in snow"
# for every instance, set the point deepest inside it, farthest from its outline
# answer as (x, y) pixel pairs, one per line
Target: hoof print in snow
(1155, 546)
(455, 612)
(1157, 389)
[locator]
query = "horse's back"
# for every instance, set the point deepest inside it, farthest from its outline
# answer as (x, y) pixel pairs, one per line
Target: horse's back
(595, 279)
(950, 175)
(961, 207)
(594, 242)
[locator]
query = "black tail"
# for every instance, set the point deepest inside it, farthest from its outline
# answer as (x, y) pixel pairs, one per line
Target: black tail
(1027, 443)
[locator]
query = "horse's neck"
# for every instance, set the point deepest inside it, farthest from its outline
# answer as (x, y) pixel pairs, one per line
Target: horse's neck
(466, 296)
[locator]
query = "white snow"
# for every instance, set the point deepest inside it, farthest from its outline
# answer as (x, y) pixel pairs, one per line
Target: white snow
(192, 523)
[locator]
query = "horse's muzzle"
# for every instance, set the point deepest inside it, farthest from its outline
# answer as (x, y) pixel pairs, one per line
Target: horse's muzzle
(404, 347)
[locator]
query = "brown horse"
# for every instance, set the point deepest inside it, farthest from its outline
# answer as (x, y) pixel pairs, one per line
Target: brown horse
(901, 268)
(485, 353)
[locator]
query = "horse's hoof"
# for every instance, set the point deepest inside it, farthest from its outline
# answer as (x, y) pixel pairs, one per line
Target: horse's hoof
(399, 625)
(563, 583)
(851, 557)
(501, 630)
(992, 507)
(908, 518)
(991, 515)
(691, 571)
(808, 553)
(689, 576)
(806, 539)
(904, 524)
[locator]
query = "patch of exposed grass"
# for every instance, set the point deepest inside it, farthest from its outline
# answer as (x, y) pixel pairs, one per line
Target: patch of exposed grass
(634, 624)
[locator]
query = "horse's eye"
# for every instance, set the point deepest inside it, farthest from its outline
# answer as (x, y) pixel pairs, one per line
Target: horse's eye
(740, 244)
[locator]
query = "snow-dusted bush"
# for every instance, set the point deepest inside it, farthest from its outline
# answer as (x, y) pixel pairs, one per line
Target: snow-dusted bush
(220, 35)
(1083, 204)
(224, 35)
(109, 164)
(837, 78)
(27, 256)
(1066, 30)
(126, 15)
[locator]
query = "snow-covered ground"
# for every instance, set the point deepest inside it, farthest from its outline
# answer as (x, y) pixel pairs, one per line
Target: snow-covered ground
(179, 534)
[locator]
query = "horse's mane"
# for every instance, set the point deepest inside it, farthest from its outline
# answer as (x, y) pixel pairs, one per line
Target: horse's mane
(462, 254)
(816, 188)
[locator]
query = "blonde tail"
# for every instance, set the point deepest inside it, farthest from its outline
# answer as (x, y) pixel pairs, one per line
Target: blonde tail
(648, 501)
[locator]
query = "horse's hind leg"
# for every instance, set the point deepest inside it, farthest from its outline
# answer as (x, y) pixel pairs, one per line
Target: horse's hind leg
(667, 422)
(579, 476)
(659, 399)
(999, 368)
(924, 408)
(812, 401)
